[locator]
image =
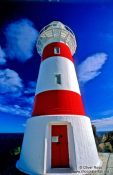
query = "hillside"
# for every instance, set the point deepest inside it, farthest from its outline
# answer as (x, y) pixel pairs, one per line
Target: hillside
(10, 145)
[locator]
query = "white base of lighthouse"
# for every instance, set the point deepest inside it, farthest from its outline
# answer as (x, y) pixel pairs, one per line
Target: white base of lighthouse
(46, 152)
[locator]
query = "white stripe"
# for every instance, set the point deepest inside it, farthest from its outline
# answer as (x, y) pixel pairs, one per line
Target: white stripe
(57, 65)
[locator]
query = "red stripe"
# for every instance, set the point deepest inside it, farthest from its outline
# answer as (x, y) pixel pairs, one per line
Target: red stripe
(64, 51)
(58, 102)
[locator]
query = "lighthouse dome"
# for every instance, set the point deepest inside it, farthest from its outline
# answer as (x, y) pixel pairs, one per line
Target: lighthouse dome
(57, 24)
(56, 32)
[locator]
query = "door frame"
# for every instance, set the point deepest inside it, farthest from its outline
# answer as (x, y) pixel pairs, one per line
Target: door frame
(47, 151)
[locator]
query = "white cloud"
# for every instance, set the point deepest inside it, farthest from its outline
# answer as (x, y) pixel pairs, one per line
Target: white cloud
(24, 124)
(20, 105)
(90, 67)
(104, 124)
(2, 57)
(10, 82)
(15, 109)
(29, 100)
(13, 99)
(30, 88)
(21, 37)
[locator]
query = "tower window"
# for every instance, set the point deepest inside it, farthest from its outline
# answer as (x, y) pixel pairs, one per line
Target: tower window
(58, 78)
(56, 50)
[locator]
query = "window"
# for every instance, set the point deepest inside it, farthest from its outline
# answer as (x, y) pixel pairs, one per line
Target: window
(56, 50)
(58, 78)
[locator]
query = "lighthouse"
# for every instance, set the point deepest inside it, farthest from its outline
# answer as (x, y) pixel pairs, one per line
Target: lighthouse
(58, 137)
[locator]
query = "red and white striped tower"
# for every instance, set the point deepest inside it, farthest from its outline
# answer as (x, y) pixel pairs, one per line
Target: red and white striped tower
(59, 137)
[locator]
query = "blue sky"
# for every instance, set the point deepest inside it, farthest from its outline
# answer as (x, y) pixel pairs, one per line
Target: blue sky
(19, 62)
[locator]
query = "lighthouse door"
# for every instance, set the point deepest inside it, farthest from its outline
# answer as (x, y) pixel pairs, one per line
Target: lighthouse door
(59, 147)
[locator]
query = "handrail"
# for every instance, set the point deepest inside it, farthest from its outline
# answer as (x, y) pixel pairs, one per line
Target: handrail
(53, 27)
(49, 33)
